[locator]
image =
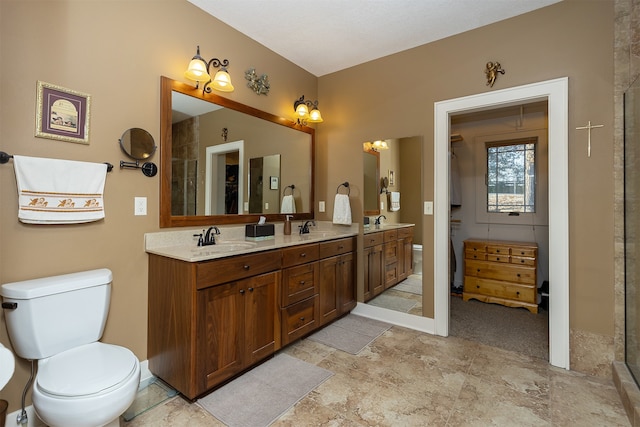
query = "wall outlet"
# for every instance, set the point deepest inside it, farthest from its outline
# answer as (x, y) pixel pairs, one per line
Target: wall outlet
(140, 206)
(321, 207)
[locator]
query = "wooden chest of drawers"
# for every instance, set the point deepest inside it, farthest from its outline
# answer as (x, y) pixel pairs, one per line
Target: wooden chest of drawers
(501, 272)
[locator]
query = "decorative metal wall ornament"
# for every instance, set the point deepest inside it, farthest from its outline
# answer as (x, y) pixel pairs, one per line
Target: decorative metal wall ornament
(225, 134)
(493, 68)
(259, 85)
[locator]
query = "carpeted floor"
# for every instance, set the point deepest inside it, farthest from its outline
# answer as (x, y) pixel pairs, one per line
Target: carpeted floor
(509, 328)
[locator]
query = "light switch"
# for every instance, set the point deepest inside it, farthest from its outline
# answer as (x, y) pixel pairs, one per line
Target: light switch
(428, 208)
(266, 206)
(140, 206)
(321, 207)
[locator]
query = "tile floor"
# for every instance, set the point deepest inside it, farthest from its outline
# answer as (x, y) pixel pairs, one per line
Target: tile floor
(409, 378)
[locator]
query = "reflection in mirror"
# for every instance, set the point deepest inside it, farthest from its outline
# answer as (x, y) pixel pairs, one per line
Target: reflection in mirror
(207, 142)
(264, 179)
(371, 167)
(137, 143)
(393, 262)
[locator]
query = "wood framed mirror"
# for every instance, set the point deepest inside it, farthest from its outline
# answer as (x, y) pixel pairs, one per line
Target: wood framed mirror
(204, 161)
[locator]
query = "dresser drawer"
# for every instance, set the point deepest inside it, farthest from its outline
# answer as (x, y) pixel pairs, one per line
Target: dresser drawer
(528, 252)
(299, 319)
(373, 239)
(297, 255)
(475, 246)
(299, 283)
(494, 288)
(226, 270)
(336, 247)
(498, 249)
(498, 258)
(523, 261)
(500, 271)
(470, 254)
(390, 235)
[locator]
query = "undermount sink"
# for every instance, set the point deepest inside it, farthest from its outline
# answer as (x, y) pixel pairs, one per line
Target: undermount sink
(222, 247)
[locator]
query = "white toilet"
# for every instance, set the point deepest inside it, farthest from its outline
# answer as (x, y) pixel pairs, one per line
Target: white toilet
(58, 321)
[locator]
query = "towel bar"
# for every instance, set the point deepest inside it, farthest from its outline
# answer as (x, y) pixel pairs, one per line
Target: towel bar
(346, 185)
(4, 158)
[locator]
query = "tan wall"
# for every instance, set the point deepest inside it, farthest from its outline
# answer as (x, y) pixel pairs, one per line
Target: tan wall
(572, 38)
(116, 51)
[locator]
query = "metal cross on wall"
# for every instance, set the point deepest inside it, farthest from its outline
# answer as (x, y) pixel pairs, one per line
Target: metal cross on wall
(588, 127)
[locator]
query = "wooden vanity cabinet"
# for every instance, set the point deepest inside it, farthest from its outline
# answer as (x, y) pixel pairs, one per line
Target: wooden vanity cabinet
(337, 291)
(374, 271)
(210, 320)
(405, 253)
(391, 256)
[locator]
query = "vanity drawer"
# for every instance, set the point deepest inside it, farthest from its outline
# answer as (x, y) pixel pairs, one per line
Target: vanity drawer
(405, 232)
(336, 247)
(299, 283)
(391, 252)
(299, 319)
(390, 235)
(297, 255)
(373, 239)
(226, 270)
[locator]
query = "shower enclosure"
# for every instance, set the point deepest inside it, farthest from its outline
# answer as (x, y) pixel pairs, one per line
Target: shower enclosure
(632, 227)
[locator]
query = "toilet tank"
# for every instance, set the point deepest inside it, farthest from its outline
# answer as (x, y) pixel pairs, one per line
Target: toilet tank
(49, 315)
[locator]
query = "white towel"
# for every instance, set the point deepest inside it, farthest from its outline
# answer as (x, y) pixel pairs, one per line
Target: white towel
(342, 210)
(394, 201)
(288, 205)
(52, 191)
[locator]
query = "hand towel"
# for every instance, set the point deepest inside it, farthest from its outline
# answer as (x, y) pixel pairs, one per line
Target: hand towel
(52, 191)
(342, 210)
(394, 201)
(288, 205)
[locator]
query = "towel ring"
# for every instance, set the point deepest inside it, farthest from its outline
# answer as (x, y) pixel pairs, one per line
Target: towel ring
(346, 185)
(285, 189)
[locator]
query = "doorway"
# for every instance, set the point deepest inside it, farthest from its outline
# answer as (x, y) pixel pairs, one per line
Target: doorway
(224, 183)
(555, 92)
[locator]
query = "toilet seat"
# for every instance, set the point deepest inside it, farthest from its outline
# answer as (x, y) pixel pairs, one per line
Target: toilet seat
(90, 369)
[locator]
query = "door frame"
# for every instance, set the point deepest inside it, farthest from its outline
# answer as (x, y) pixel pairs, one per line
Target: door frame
(556, 93)
(215, 175)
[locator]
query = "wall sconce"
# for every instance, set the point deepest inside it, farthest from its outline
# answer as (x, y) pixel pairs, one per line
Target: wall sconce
(306, 111)
(199, 71)
(378, 145)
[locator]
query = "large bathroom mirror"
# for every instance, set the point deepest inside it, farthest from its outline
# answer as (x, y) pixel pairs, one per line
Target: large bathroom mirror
(209, 146)
(387, 284)
(371, 168)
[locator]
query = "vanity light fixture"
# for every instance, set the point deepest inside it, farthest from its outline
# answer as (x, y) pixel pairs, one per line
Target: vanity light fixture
(306, 111)
(199, 71)
(380, 144)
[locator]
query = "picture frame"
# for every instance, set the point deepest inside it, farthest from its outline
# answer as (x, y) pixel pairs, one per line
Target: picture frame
(273, 183)
(392, 178)
(62, 114)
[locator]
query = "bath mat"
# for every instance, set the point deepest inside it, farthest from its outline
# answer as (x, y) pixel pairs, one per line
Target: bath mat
(412, 284)
(351, 333)
(149, 397)
(393, 302)
(262, 395)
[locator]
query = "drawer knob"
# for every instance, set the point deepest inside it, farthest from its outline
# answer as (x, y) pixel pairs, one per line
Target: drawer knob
(478, 270)
(522, 261)
(303, 255)
(478, 286)
(340, 247)
(241, 291)
(518, 274)
(250, 289)
(497, 259)
(302, 318)
(301, 282)
(518, 293)
(246, 267)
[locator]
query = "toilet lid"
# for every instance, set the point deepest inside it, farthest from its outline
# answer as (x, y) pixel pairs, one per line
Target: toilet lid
(89, 369)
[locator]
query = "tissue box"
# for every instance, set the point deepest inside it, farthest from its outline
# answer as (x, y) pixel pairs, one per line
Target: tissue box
(259, 231)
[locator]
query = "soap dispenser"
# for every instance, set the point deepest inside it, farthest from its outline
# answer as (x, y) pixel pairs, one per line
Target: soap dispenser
(287, 225)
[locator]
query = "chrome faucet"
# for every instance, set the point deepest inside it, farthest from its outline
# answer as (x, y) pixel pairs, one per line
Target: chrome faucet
(209, 237)
(377, 222)
(304, 229)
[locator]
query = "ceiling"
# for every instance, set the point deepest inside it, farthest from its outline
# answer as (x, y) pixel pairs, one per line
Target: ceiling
(325, 36)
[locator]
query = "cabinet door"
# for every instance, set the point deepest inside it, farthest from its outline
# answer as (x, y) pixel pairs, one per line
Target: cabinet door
(220, 348)
(328, 291)
(407, 258)
(346, 283)
(374, 272)
(261, 334)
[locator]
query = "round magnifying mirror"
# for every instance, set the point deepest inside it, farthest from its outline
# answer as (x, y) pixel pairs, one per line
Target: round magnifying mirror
(138, 144)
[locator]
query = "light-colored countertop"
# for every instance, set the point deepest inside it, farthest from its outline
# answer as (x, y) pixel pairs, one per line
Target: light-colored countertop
(385, 227)
(182, 244)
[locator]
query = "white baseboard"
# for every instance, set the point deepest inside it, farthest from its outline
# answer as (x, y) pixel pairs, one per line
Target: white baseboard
(411, 321)
(146, 378)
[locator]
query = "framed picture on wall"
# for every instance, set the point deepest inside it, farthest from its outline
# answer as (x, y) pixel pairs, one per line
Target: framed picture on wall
(62, 114)
(392, 178)
(273, 183)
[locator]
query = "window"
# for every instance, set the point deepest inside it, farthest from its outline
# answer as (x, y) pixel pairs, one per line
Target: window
(511, 175)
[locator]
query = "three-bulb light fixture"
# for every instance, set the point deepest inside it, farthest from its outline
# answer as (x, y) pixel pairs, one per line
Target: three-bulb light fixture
(199, 71)
(306, 111)
(378, 145)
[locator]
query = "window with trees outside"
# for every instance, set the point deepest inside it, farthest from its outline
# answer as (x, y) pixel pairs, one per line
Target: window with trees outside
(511, 175)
